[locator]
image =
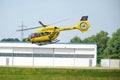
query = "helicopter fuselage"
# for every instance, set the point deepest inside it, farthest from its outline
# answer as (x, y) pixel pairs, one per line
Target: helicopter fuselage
(44, 34)
(50, 33)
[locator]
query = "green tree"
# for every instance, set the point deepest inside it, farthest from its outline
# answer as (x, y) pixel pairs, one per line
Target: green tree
(10, 40)
(24, 40)
(91, 39)
(113, 46)
(100, 39)
(75, 39)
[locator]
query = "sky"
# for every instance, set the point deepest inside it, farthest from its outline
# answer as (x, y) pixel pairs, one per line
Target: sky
(102, 15)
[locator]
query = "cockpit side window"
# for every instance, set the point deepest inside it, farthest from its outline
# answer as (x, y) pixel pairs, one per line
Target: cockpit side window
(33, 35)
(47, 33)
(38, 34)
(44, 33)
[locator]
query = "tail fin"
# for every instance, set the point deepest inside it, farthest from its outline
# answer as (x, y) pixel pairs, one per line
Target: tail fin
(84, 18)
(83, 24)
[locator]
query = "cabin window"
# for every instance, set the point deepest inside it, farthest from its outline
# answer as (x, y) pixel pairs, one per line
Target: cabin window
(47, 33)
(44, 33)
(37, 34)
(40, 34)
(34, 35)
(31, 35)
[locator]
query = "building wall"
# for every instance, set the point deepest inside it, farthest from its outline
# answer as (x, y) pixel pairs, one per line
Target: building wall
(49, 56)
(110, 63)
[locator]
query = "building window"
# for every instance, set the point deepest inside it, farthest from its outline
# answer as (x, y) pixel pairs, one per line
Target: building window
(6, 54)
(47, 55)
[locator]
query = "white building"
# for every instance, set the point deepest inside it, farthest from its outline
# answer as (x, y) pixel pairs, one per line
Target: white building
(110, 63)
(51, 55)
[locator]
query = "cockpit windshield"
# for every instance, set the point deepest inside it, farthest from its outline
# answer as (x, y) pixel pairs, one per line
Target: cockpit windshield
(30, 36)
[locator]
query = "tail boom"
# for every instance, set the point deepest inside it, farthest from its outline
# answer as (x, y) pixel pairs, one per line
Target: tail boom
(83, 25)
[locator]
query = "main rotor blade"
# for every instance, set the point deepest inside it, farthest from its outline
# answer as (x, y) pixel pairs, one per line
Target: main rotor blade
(28, 28)
(42, 24)
(60, 21)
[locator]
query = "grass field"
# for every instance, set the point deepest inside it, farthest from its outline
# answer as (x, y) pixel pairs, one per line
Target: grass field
(16, 73)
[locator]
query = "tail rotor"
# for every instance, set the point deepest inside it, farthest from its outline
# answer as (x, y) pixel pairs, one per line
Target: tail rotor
(83, 25)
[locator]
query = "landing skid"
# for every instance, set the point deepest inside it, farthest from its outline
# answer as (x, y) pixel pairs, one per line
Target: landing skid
(47, 42)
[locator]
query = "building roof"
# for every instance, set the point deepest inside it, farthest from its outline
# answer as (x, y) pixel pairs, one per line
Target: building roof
(29, 45)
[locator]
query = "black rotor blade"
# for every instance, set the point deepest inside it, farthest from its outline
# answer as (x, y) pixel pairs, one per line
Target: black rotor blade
(42, 24)
(28, 28)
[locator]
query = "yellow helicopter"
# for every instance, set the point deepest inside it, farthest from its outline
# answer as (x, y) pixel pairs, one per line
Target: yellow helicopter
(48, 34)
